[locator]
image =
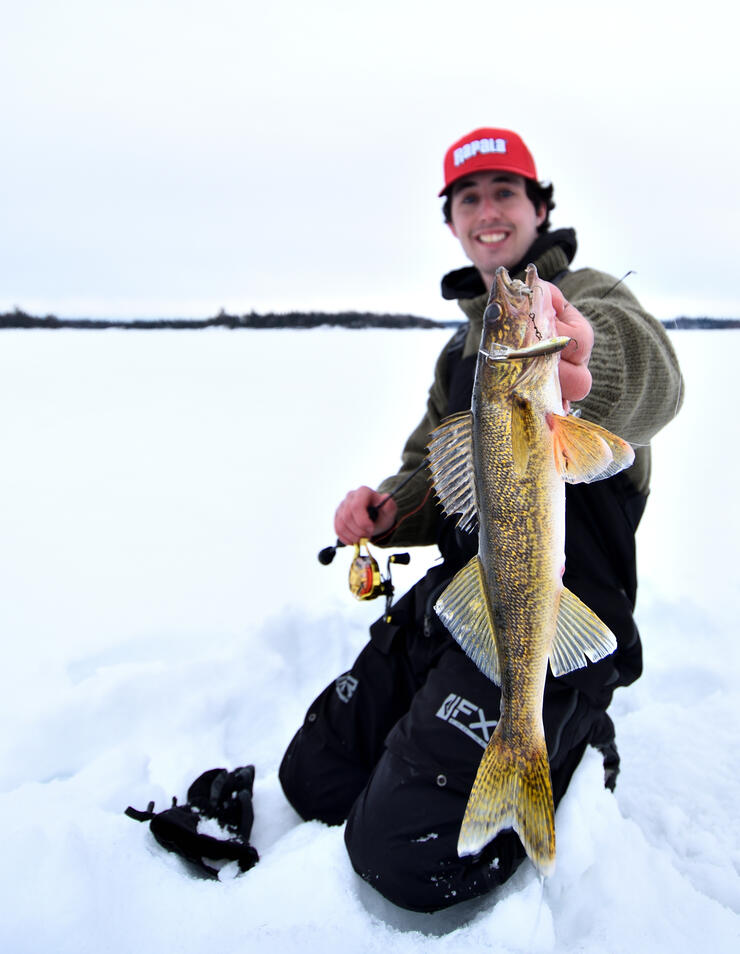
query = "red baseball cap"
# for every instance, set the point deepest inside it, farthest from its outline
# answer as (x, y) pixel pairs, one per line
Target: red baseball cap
(488, 149)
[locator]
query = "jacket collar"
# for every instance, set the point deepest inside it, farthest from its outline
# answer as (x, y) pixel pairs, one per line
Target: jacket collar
(551, 252)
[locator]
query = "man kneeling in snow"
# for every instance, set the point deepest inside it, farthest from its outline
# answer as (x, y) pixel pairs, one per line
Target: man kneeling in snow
(392, 747)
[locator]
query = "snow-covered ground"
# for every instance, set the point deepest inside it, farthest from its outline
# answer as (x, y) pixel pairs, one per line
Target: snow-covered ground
(164, 496)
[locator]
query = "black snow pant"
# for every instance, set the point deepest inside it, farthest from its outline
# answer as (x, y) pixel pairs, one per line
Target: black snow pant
(392, 748)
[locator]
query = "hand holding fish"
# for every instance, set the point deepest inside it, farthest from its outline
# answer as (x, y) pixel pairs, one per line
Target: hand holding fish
(575, 378)
(352, 522)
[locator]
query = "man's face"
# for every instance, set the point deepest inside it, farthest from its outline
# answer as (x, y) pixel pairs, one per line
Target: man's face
(494, 220)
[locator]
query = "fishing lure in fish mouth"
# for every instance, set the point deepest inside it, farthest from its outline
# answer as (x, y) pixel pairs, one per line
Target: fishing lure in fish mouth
(498, 353)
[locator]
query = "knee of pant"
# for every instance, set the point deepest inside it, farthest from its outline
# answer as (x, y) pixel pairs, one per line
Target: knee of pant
(377, 859)
(318, 784)
(411, 861)
(402, 834)
(290, 778)
(425, 874)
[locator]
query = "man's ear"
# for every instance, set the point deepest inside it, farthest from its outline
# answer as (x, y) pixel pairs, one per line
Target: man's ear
(541, 213)
(451, 227)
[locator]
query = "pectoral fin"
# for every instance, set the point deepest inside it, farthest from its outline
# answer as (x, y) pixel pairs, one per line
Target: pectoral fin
(580, 636)
(464, 609)
(523, 429)
(450, 456)
(585, 452)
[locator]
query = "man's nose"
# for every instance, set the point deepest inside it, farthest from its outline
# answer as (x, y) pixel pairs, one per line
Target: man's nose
(489, 208)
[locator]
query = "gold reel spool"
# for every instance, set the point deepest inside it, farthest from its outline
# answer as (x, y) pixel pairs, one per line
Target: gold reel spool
(365, 582)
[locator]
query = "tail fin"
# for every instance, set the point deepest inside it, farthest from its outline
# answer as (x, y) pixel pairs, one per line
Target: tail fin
(512, 790)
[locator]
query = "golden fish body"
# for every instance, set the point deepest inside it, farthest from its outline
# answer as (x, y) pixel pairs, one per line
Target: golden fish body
(504, 464)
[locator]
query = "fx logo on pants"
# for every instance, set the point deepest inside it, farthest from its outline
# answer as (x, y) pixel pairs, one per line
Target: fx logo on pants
(467, 717)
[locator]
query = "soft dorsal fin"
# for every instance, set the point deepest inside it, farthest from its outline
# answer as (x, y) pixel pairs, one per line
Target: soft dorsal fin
(580, 636)
(466, 612)
(585, 452)
(450, 456)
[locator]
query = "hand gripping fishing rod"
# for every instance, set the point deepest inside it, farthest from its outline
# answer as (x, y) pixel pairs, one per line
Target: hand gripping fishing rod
(326, 555)
(365, 581)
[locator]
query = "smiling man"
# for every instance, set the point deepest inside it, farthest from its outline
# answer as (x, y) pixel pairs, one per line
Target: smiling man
(392, 747)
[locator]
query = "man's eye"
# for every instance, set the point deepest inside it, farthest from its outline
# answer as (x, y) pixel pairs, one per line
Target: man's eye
(469, 198)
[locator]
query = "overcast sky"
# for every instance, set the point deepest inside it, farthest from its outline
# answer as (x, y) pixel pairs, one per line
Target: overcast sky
(166, 157)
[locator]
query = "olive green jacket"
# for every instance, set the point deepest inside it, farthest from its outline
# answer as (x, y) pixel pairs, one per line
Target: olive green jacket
(637, 386)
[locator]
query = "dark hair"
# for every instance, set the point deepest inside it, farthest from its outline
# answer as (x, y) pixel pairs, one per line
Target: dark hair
(538, 193)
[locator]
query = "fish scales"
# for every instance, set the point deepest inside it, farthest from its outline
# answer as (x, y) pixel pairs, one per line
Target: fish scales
(505, 463)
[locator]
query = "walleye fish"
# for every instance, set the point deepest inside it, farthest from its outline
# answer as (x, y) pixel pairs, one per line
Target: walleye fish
(503, 465)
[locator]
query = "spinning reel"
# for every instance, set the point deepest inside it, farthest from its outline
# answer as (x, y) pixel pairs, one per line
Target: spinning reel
(365, 581)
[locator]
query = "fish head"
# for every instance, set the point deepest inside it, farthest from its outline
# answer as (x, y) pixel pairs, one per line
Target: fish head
(519, 317)
(519, 313)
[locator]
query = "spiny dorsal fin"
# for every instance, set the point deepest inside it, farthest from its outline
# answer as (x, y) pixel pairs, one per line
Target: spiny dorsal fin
(580, 636)
(464, 609)
(450, 456)
(585, 452)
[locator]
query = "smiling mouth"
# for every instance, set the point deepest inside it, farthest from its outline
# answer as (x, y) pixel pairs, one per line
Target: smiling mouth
(491, 238)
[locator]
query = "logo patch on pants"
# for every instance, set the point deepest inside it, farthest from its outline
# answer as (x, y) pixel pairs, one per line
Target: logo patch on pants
(345, 686)
(468, 718)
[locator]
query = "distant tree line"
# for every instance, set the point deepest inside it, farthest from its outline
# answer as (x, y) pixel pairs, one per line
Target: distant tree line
(291, 319)
(705, 323)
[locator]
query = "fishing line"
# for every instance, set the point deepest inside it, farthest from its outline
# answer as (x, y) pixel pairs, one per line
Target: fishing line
(536, 924)
(405, 516)
(619, 282)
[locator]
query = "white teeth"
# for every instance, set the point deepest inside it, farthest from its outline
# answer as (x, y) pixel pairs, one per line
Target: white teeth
(492, 238)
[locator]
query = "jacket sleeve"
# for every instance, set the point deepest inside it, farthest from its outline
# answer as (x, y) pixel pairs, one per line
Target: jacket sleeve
(637, 383)
(418, 509)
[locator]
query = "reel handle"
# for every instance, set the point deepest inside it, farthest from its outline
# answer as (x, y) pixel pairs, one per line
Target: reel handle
(328, 553)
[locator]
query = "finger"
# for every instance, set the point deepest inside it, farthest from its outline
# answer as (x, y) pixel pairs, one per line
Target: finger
(387, 513)
(582, 335)
(575, 381)
(559, 302)
(350, 523)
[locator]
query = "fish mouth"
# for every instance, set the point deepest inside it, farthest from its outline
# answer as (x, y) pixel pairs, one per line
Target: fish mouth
(509, 292)
(511, 287)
